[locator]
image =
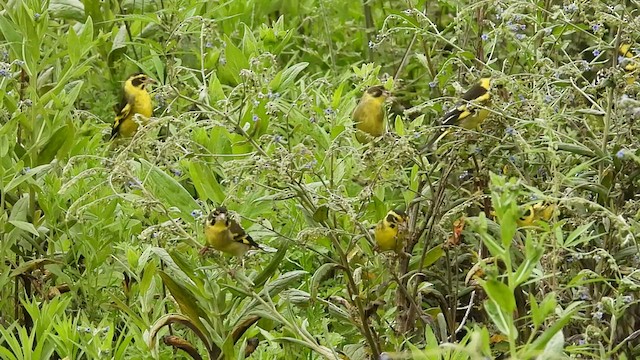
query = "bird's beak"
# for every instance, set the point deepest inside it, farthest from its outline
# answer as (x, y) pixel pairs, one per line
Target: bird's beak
(221, 217)
(150, 81)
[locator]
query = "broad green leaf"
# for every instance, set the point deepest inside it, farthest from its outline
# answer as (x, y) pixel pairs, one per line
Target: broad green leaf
(167, 189)
(500, 294)
(66, 9)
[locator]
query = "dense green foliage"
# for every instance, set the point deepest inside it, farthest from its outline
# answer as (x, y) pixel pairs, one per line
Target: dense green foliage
(100, 240)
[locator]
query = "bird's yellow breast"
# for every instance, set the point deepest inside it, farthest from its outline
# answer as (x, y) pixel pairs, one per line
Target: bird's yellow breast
(369, 117)
(140, 102)
(386, 237)
(220, 238)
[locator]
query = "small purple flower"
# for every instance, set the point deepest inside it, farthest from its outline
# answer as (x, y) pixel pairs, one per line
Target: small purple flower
(521, 97)
(627, 299)
(510, 131)
(513, 27)
(4, 73)
(277, 138)
(208, 45)
(596, 52)
(196, 214)
(176, 172)
(26, 169)
(484, 37)
(255, 118)
(433, 84)
(521, 36)
(547, 99)
(582, 342)
(518, 17)
(621, 60)
(36, 16)
(523, 26)
(595, 27)
(328, 111)
(478, 151)
(620, 154)
(372, 45)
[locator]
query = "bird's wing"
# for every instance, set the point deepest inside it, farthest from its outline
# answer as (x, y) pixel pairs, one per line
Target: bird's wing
(122, 112)
(477, 94)
(239, 235)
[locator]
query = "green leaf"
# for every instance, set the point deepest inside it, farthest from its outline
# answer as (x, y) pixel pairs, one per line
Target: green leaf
(286, 77)
(167, 189)
(575, 238)
(67, 10)
(186, 301)
(499, 318)
(236, 60)
(501, 294)
(319, 276)
(119, 44)
(26, 226)
(399, 126)
(206, 183)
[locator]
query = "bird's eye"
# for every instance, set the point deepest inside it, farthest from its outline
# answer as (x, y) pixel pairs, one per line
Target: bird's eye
(392, 225)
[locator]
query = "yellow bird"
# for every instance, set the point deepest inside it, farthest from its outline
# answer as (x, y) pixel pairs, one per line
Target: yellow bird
(538, 211)
(628, 62)
(625, 50)
(469, 112)
(136, 100)
(225, 234)
(387, 231)
(368, 116)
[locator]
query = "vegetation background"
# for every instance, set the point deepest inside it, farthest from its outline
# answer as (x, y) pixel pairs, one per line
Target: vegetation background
(100, 241)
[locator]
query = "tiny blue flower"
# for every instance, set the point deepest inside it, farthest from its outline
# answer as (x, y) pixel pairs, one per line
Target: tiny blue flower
(584, 296)
(548, 31)
(26, 169)
(277, 138)
(620, 154)
(371, 45)
(571, 8)
(627, 299)
(4, 73)
(154, 235)
(478, 151)
(87, 329)
(36, 16)
(176, 172)
(27, 102)
(596, 52)
(518, 17)
(510, 131)
(19, 62)
(547, 99)
(196, 213)
(270, 94)
(582, 342)
(208, 45)
(521, 97)
(622, 60)
(520, 36)
(328, 111)
(597, 315)
(523, 26)
(433, 84)
(255, 118)
(222, 61)
(512, 158)
(106, 329)
(595, 27)
(484, 37)
(514, 27)
(276, 95)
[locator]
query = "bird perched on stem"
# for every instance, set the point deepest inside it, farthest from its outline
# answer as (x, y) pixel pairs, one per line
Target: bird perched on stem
(224, 234)
(388, 232)
(368, 115)
(628, 62)
(538, 211)
(470, 111)
(136, 100)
